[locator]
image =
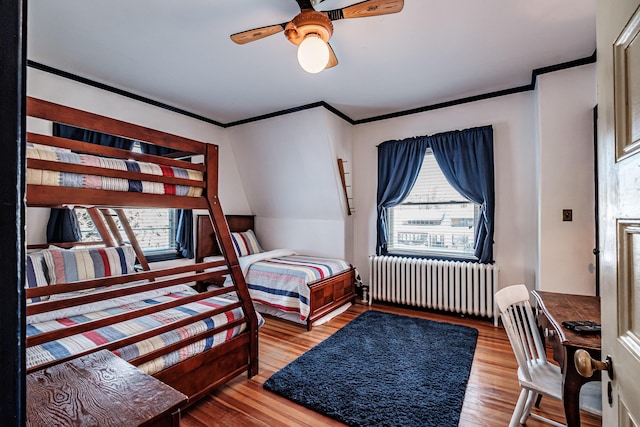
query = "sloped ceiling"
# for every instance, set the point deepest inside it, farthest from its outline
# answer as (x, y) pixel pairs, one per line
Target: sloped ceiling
(179, 52)
(288, 168)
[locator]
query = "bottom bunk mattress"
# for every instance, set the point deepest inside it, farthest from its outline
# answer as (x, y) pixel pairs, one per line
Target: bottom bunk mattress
(50, 351)
(280, 278)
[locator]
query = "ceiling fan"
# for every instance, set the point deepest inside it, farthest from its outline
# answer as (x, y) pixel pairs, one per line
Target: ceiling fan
(311, 29)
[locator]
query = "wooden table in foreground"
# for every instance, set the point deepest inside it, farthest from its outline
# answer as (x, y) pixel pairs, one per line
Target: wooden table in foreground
(100, 389)
(554, 309)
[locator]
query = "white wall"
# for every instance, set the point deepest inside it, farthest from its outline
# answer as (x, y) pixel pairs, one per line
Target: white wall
(68, 92)
(340, 135)
(565, 102)
(289, 173)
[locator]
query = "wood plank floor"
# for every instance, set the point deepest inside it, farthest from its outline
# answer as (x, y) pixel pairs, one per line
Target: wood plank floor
(491, 393)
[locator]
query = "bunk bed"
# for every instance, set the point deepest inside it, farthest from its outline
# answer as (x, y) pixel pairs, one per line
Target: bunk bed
(329, 292)
(87, 299)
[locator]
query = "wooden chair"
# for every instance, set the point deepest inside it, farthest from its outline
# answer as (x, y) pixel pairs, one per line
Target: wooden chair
(536, 375)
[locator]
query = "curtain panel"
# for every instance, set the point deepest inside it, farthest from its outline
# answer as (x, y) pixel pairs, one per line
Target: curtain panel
(399, 164)
(184, 233)
(63, 226)
(466, 160)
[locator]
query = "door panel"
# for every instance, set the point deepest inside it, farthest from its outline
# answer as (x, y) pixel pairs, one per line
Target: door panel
(626, 57)
(618, 47)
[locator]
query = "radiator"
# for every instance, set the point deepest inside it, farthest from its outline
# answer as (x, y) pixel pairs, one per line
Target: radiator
(458, 287)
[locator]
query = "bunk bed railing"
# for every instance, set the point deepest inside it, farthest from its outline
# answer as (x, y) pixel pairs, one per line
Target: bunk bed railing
(71, 116)
(79, 146)
(134, 279)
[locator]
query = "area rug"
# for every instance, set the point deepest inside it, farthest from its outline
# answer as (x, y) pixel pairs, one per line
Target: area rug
(384, 369)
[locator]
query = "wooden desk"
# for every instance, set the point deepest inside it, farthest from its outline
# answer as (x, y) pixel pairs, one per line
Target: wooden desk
(554, 308)
(100, 389)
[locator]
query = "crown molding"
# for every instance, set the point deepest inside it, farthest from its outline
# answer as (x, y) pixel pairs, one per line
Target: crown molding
(531, 86)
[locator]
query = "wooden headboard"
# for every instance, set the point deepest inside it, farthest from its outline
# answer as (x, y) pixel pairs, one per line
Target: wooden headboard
(207, 243)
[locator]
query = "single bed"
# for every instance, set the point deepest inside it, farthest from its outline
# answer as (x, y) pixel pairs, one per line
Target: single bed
(87, 299)
(305, 290)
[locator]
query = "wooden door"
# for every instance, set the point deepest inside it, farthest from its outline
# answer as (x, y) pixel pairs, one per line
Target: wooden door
(618, 49)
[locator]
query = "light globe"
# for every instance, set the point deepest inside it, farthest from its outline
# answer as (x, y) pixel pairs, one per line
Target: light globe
(313, 54)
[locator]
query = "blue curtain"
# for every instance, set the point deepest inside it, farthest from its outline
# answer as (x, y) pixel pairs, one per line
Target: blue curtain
(399, 164)
(156, 150)
(466, 160)
(184, 233)
(63, 226)
(79, 134)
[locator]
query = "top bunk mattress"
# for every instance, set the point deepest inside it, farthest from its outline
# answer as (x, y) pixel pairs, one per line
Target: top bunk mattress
(105, 173)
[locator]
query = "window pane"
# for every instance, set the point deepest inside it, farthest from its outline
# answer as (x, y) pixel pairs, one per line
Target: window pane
(434, 219)
(155, 229)
(87, 228)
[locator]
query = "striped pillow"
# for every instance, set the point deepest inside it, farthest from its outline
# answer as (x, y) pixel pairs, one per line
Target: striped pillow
(82, 264)
(245, 243)
(35, 274)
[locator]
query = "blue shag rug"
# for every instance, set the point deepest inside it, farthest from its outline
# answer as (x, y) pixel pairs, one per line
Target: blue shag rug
(384, 369)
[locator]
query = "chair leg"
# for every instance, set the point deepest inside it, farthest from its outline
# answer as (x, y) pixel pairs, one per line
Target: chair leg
(517, 411)
(538, 400)
(527, 407)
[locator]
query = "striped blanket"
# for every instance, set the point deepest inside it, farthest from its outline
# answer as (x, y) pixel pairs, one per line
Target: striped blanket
(50, 351)
(67, 179)
(282, 282)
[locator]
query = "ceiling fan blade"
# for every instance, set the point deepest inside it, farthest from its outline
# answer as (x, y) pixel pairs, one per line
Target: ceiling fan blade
(366, 8)
(333, 61)
(257, 33)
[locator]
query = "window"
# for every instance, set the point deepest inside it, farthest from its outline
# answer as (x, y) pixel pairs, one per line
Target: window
(434, 219)
(155, 229)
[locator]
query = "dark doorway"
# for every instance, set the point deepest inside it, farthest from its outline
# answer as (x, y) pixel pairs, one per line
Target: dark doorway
(12, 190)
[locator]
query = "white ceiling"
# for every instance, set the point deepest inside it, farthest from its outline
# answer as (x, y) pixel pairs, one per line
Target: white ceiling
(179, 52)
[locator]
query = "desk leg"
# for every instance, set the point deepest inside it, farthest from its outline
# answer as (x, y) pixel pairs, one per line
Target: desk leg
(175, 418)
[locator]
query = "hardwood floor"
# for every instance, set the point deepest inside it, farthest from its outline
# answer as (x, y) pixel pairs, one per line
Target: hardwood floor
(491, 394)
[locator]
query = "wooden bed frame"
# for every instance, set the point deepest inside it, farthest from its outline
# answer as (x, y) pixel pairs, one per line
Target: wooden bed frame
(198, 375)
(326, 295)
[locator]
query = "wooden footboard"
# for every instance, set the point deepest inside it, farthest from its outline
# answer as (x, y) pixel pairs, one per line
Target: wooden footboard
(199, 375)
(330, 294)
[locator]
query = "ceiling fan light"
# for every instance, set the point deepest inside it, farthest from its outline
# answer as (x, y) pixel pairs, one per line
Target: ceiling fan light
(313, 54)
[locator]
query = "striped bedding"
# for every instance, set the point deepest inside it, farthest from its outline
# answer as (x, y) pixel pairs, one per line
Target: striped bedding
(282, 282)
(67, 179)
(47, 352)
